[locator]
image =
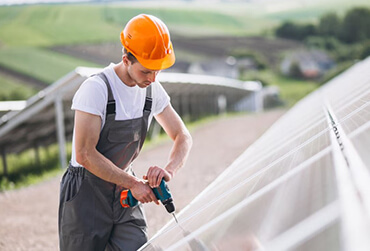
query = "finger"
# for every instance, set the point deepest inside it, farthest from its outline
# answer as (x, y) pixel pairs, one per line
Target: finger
(155, 177)
(167, 176)
(152, 196)
(148, 198)
(153, 173)
(149, 175)
(159, 179)
(145, 199)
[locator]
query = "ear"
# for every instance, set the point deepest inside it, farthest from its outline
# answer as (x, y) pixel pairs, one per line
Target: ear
(125, 60)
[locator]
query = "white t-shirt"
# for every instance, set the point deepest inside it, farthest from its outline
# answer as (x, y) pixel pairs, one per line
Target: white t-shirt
(92, 97)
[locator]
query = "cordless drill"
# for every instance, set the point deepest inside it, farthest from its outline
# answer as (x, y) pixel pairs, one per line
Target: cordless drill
(162, 193)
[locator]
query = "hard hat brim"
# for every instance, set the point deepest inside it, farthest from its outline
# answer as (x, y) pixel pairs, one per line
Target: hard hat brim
(158, 64)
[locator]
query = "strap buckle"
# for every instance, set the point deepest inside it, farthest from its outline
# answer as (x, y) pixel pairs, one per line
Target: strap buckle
(148, 104)
(111, 107)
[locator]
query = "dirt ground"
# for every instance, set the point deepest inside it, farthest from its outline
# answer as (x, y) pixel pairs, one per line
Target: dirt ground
(29, 215)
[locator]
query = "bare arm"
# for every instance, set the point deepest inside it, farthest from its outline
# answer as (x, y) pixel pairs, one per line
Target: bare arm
(87, 131)
(176, 130)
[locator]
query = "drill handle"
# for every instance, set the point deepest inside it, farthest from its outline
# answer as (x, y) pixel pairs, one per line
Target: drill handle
(162, 193)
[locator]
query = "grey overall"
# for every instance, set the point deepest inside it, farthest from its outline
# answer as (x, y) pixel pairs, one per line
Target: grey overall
(90, 214)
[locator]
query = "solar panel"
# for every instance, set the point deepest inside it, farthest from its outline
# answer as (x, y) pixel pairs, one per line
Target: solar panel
(304, 185)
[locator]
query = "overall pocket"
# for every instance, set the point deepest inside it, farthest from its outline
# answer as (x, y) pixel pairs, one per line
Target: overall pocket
(71, 183)
(78, 208)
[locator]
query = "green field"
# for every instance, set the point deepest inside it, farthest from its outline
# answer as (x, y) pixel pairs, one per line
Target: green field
(291, 90)
(42, 64)
(50, 25)
(70, 24)
(26, 169)
(54, 25)
(13, 89)
(28, 31)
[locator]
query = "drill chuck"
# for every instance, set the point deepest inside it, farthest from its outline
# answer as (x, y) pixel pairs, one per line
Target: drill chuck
(169, 205)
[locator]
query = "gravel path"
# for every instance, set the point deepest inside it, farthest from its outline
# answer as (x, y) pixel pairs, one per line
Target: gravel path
(29, 215)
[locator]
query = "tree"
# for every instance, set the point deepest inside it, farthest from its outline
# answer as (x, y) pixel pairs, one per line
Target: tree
(356, 25)
(287, 30)
(307, 30)
(295, 31)
(329, 25)
(365, 52)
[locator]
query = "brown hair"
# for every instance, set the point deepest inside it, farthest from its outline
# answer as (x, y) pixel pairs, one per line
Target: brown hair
(130, 56)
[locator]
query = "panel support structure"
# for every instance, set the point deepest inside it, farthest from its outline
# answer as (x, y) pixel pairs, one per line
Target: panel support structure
(59, 116)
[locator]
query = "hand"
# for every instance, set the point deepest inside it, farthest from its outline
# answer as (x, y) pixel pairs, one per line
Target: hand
(155, 175)
(143, 193)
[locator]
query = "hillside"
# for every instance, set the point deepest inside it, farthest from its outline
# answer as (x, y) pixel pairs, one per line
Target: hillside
(40, 41)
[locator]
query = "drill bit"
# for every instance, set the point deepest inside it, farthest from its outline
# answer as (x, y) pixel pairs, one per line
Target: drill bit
(178, 224)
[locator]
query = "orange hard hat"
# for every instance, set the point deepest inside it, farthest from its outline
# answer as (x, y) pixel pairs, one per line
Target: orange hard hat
(148, 39)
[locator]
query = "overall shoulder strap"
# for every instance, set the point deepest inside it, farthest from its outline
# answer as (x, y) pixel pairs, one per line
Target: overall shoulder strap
(148, 99)
(111, 105)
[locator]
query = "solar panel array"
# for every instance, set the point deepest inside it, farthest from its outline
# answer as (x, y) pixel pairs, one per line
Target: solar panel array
(304, 185)
(34, 124)
(47, 118)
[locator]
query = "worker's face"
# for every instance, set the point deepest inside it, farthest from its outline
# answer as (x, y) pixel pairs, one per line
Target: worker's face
(140, 75)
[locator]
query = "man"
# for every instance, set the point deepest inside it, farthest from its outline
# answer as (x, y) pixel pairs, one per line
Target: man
(113, 111)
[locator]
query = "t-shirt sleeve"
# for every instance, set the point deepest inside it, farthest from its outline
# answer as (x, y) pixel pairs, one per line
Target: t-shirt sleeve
(162, 99)
(91, 97)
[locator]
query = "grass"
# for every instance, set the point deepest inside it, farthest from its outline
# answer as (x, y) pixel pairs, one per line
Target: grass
(49, 25)
(294, 90)
(13, 89)
(26, 29)
(291, 90)
(42, 64)
(24, 169)
(28, 179)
